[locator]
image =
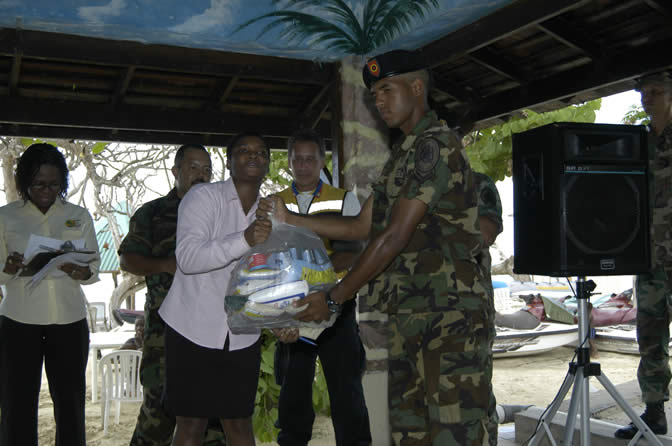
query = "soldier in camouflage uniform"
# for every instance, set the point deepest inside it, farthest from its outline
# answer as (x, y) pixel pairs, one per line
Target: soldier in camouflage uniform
(425, 246)
(490, 222)
(149, 250)
(653, 289)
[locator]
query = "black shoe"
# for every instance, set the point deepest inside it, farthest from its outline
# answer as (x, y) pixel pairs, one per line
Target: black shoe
(653, 416)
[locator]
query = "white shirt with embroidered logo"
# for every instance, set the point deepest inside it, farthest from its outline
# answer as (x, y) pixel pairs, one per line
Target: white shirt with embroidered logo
(56, 300)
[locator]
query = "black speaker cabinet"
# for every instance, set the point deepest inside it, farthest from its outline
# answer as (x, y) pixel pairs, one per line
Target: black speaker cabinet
(580, 200)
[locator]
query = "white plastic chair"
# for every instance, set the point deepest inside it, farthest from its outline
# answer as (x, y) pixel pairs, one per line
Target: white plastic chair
(120, 373)
(100, 322)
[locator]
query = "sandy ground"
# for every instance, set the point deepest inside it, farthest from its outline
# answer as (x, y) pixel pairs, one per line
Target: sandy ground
(525, 380)
(536, 379)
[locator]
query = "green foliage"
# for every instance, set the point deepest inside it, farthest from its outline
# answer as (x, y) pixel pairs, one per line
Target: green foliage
(278, 169)
(490, 149)
(383, 20)
(98, 147)
(268, 392)
(27, 142)
(636, 115)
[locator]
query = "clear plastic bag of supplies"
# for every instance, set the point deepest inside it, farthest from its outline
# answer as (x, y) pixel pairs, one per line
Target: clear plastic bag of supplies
(290, 265)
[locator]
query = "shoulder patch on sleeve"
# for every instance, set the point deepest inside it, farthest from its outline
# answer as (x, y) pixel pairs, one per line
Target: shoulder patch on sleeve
(427, 155)
(488, 197)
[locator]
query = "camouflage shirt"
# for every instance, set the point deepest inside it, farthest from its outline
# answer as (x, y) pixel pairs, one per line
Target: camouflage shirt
(439, 268)
(489, 203)
(660, 163)
(152, 233)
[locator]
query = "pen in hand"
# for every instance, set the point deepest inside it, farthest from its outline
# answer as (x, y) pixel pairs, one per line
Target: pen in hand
(17, 274)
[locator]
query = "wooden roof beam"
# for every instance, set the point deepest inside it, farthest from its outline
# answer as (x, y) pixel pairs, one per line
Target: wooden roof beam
(315, 110)
(601, 72)
(129, 136)
(137, 118)
(92, 51)
(500, 24)
(15, 71)
(452, 89)
(662, 6)
(564, 32)
(498, 64)
(227, 92)
(122, 86)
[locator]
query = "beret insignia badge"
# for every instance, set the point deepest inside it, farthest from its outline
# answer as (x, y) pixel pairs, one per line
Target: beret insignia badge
(374, 68)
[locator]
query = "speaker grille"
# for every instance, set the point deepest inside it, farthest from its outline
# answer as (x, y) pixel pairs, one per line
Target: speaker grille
(601, 212)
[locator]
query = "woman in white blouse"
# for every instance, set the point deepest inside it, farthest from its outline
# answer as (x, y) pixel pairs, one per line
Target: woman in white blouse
(48, 324)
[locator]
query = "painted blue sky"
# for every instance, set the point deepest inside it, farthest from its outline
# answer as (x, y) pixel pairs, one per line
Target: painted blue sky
(210, 23)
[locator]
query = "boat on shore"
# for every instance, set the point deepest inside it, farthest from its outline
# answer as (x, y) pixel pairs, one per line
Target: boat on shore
(544, 337)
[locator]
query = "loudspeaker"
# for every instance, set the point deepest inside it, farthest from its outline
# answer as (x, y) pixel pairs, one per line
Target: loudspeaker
(580, 200)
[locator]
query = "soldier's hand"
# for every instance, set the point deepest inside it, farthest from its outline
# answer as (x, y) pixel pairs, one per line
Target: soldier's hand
(258, 232)
(317, 310)
(13, 263)
(273, 206)
(286, 335)
(170, 265)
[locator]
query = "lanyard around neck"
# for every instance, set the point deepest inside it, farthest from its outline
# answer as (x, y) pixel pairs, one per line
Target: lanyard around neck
(316, 193)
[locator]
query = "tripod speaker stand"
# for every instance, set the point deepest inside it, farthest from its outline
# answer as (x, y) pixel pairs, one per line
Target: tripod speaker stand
(579, 375)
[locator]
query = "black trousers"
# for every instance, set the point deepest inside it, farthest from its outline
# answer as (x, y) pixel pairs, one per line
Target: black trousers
(65, 351)
(343, 360)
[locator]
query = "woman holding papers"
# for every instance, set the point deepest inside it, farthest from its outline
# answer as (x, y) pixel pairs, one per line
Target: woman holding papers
(47, 323)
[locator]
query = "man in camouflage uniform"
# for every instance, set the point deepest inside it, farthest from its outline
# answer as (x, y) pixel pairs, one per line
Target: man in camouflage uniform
(149, 250)
(653, 289)
(490, 222)
(425, 244)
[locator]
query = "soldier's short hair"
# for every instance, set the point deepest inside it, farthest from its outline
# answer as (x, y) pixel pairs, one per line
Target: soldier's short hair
(306, 135)
(424, 75)
(179, 155)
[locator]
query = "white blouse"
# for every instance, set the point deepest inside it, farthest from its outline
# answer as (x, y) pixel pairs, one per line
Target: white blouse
(56, 300)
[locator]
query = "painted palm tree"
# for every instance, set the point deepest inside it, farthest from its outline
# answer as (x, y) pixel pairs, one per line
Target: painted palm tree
(382, 21)
(333, 25)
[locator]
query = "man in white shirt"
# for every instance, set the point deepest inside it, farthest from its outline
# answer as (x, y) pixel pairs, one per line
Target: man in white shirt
(211, 372)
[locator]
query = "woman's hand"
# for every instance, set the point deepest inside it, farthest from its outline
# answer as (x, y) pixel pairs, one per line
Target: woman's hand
(13, 263)
(258, 232)
(76, 272)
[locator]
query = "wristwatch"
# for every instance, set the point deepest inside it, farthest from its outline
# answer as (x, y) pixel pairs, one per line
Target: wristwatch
(334, 307)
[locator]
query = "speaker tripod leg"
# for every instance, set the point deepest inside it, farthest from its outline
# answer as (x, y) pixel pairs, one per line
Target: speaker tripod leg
(544, 428)
(643, 428)
(575, 403)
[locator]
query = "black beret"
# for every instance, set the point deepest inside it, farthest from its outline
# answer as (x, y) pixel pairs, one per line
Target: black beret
(389, 64)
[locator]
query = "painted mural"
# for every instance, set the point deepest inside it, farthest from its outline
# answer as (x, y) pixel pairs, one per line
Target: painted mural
(321, 30)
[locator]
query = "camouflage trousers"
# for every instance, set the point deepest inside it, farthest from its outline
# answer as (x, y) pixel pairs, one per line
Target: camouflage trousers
(439, 378)
(653, 335)
(493, 419)
(155, 426)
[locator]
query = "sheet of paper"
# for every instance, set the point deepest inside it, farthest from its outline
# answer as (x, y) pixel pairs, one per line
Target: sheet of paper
(36, 244)
(78, 258)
